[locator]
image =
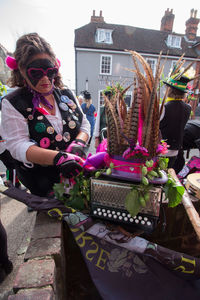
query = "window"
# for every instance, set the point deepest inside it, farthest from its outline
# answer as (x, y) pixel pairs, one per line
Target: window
(106, 64)
(101, 99)
(174, 41)
(104, 36)
(152, 63)
(127, 98)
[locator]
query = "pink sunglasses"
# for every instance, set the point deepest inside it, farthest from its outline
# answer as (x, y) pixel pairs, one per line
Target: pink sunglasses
(38, 73)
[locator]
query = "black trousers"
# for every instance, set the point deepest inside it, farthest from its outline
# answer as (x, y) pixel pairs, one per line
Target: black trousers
(39, 180)
(3, 245)
(9, 163)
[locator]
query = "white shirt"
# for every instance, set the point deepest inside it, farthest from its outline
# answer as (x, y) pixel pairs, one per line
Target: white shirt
(16, 133)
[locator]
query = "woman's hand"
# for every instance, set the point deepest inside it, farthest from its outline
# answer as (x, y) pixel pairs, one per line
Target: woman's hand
(77, 148)
(70, 165)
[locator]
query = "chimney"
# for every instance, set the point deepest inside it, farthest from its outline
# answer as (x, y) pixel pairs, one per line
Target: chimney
(167, 21)
(192, 25)
(97, 19)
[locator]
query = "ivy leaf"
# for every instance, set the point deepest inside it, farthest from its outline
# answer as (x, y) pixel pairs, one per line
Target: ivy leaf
(76, 202)
(59, 190)
(132, 203)
(173, 193)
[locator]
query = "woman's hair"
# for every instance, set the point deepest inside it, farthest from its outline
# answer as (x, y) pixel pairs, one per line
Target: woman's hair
(176, 93)
(27, 46)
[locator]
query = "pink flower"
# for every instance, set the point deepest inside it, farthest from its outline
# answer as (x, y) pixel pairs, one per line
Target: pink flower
(162, 148)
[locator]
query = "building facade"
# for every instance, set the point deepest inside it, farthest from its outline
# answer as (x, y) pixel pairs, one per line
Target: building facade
(101, 58)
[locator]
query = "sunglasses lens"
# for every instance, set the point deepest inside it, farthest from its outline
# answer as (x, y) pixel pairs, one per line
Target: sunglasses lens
(52, 73)
(36, 74)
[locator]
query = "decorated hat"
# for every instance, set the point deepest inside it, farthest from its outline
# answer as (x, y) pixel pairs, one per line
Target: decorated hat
(86, 95)
(180, 76)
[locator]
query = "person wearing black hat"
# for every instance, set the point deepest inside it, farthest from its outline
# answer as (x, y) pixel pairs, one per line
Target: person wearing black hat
(90, 111)
(176, 112)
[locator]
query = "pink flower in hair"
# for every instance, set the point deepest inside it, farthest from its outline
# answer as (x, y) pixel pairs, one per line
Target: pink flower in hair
(11, 63)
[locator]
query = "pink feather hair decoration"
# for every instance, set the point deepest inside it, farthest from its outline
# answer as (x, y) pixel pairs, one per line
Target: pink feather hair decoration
(11, 63)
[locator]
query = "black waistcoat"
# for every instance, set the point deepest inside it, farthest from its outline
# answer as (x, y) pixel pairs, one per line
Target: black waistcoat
(41, 130)
(172, 125)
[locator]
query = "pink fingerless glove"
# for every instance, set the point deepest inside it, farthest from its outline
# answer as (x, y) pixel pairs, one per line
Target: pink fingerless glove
(76, 147)
(70, 165)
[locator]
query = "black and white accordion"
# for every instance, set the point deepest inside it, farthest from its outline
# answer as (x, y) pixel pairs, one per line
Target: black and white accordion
(108, 203)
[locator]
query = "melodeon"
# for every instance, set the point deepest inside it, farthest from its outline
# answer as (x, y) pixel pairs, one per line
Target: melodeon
(108, 203)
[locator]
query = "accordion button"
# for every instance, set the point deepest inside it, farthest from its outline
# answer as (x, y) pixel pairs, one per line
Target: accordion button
(149, 223)
(131, 220)
(145, 219)
(136, 221)
(120, 218)
(98, 209)
(129, 216)
(125, 219)
(113, 212)
(123, 214)
(99, 213)
(140, 218)
(142, 222)
(118, 213)
(105, 214)
(94, 212)
(109, 215)
(115, 216)
(103, 210)
(108, 211)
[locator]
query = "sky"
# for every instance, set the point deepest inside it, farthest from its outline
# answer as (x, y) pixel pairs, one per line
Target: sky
(56, 21)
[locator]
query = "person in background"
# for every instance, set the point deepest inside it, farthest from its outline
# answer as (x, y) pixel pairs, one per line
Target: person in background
(191, 140)
(90, 111)
(80, 99)
(42, 122)
(175, 113)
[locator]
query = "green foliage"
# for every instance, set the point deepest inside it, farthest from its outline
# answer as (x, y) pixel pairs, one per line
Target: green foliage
(79, 195)
(2, 88)
(173, 192)
(136, 199)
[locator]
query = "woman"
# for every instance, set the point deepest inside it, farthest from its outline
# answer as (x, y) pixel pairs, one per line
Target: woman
(90, 112)
(42, 123)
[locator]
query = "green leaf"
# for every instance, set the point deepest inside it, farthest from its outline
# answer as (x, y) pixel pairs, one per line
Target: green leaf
(59, 190)
(132, 202)
(173, 192)
(76, 202)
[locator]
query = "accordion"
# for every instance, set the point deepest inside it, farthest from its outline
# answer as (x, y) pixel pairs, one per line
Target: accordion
(108, 203)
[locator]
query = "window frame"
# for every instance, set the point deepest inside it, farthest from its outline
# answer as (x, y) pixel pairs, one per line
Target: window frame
(174, 41)
(101, 60)
(155, 63)
(103, 39)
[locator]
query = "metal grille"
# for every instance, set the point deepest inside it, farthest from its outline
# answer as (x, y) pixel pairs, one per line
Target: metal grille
(112, 194)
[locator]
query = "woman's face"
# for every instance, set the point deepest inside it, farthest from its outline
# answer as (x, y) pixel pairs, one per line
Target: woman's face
(40, 73)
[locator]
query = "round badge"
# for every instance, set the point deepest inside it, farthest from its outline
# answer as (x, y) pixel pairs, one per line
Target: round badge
(64, 99)
(45, 142)
(66, 137)
(30, 117)
(72, 124)
(40, 118)
(64, 122)
(58, 137)
(63, 106)
(29, 109)
(70, 111)
(50, 130)
(40, 127)
(75, 118)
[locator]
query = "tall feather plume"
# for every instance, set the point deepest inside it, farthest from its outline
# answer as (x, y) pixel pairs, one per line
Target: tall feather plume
(151, 130)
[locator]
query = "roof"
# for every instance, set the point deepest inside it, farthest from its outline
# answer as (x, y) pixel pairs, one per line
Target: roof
(132, 38)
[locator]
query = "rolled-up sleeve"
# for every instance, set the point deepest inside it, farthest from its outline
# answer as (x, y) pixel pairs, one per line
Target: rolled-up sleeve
(15, 131)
